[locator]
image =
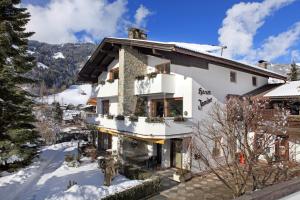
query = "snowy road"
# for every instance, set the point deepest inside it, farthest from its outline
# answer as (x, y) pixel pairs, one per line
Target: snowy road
(48, 178)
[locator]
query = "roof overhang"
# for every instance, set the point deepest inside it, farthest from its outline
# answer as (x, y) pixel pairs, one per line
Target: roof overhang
(108, 49)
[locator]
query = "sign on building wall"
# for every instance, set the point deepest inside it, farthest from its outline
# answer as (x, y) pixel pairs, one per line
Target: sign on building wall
(203, 102)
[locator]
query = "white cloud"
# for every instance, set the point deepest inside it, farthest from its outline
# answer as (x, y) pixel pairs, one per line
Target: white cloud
(295, 54)
(60, 20)
(276, 46)
(140, 16)
(242, 22)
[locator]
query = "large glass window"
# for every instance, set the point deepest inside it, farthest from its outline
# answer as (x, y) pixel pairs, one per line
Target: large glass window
(175, 107)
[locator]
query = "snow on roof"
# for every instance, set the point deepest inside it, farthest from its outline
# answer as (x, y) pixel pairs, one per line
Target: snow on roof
(42, 65)
(202, 48)
(212, 50)
(58, 55)
(289, 89)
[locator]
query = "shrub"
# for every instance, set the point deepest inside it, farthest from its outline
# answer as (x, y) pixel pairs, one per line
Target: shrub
(179, 119)
(154, 120)
(69, 157)
(133, 118)
(102, 82)
(120, 117)
(140, 77)
(110, 80)
(109, 116)
(152, 75)
(146, 189)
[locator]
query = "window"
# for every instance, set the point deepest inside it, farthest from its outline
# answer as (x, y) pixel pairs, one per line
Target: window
(114, 74)
(216, 152)
(233, 77)
(175, 107)
(254, 81)
(163, 68)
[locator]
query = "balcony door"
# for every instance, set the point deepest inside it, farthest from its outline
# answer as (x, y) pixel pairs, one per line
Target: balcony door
(157, 108)
(105, 107)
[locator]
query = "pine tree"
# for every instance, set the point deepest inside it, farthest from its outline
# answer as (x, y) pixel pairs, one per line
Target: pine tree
(57, 112)
(16, 119)
(293, 72)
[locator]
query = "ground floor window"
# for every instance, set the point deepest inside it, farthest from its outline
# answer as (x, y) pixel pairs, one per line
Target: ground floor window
(104, 141)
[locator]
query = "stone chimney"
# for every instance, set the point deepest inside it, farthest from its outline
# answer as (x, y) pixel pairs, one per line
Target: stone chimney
(263, 64)
(136, 33)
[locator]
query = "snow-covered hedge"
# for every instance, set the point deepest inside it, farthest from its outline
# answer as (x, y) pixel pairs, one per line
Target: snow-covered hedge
(148, 188)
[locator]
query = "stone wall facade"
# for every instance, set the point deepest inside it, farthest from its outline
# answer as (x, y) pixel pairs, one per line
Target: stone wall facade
(131, 64)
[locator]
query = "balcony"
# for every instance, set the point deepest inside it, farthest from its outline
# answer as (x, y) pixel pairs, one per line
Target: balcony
(108, 89)
(161, 83)
(90, 117)
(163, 130)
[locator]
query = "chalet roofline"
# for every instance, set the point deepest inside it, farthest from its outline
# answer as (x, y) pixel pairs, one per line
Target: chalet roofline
(106, 52)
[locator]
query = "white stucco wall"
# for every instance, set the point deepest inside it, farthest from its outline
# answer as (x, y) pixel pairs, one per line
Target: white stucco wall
(113, 105)
(113, 101)
(104, 75)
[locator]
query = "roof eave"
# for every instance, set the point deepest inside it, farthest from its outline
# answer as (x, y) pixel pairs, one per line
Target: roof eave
(230, 62)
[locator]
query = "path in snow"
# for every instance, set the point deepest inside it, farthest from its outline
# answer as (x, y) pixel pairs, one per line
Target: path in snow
(51, 159)
(48, 177)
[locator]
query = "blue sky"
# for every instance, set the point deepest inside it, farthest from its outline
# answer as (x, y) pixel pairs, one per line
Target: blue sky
(262, 29)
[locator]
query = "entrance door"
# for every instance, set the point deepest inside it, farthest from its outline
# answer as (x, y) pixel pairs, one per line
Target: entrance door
(176, 153)
(158, 154)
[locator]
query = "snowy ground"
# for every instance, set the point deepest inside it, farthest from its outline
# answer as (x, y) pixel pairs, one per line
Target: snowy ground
(48, 177)
(75, 94)
(294, 196)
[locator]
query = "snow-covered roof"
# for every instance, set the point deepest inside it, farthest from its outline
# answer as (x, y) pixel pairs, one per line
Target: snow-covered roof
(289, 89)
(212, 50)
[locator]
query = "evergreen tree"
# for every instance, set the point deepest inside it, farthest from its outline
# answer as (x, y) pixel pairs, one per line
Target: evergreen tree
(16, 119)
(57, 112)
(293, 72)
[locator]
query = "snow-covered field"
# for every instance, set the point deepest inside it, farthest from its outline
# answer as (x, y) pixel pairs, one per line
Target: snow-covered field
(75, 94)
(49, 176)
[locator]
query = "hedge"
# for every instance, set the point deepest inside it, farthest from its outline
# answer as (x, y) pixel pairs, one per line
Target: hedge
(147, 188)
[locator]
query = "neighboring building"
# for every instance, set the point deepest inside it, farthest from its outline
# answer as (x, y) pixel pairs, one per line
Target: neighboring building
(287, 96)
(161, 83)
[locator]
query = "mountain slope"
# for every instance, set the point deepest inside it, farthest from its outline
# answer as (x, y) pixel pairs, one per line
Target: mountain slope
(58, 65)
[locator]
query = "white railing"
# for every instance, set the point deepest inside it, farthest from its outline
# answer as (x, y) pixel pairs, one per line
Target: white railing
(91, 118)
(108, 89)
(162, 83)
(166, 129)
